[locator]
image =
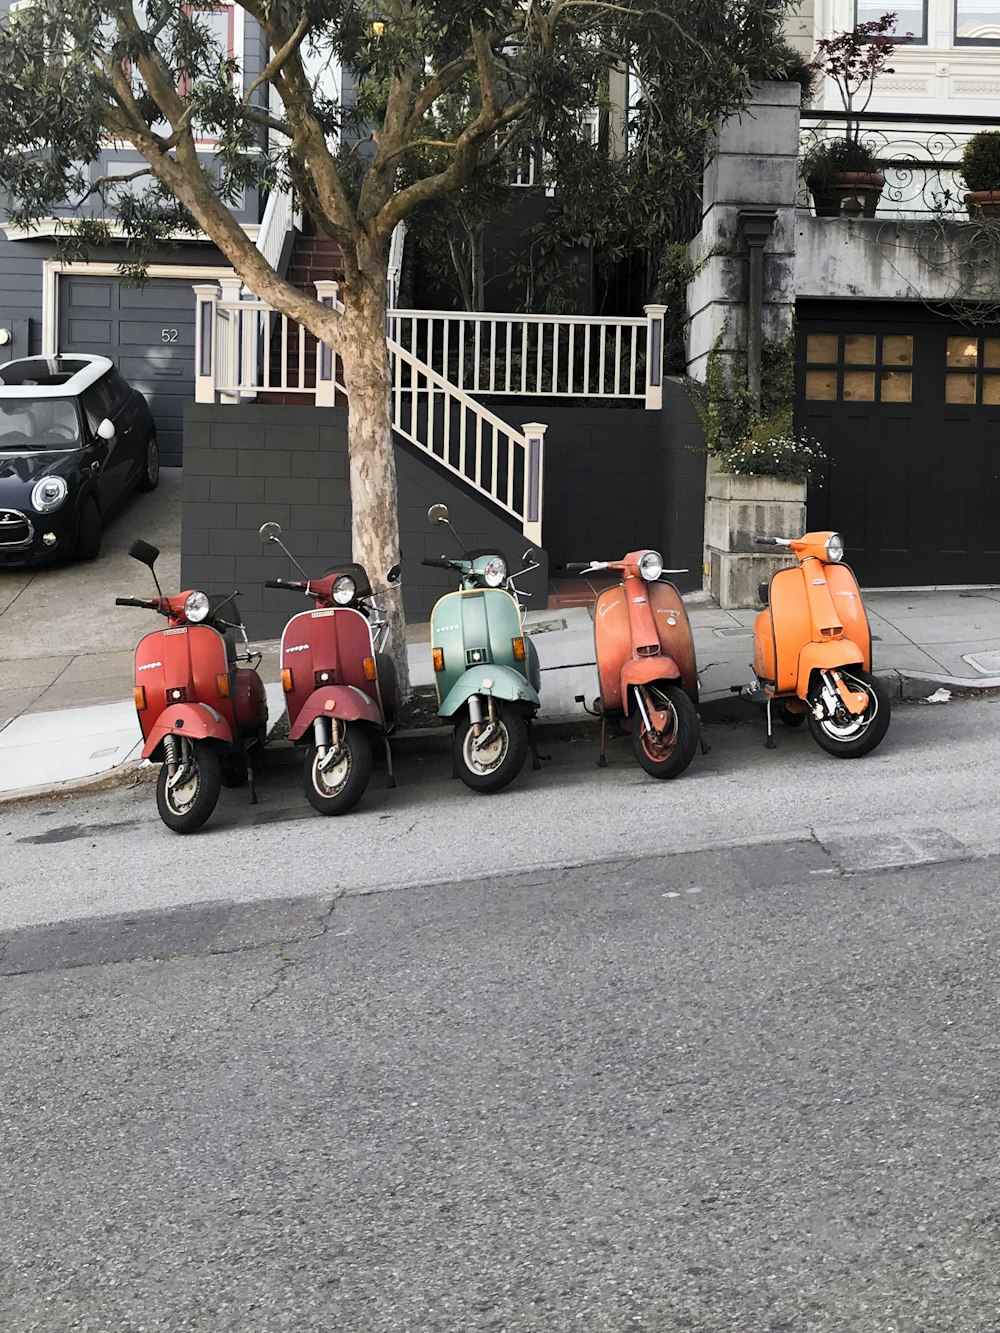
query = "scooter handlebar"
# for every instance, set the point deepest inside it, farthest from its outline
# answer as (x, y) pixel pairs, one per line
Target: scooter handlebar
(283, 583)
(135, 601)
(439, 564)
(583, 565)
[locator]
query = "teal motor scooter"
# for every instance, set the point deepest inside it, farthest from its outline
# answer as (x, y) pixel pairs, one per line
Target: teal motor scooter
(485, 667)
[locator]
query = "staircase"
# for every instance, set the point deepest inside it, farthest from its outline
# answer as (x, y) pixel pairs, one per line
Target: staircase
(293, 354)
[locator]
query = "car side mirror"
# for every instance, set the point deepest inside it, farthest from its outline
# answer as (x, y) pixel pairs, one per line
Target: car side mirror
(269, 532)
(437, 514)
(393, 574)
(143, 552)
(106, 430)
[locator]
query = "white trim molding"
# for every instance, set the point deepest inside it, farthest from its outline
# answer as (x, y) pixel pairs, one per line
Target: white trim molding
(52, 269)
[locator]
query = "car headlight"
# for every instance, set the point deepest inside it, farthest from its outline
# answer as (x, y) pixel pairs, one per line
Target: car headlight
(651, 566)
(48, 494)
(834, 547)
(344, 590)
(196, 607)
(495, 571)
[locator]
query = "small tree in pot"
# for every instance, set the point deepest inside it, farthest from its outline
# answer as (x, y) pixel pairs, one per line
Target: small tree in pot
(843, 174)
(980, 168)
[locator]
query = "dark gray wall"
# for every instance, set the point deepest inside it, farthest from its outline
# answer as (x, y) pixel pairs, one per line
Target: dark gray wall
(246, 465)
(682, 480)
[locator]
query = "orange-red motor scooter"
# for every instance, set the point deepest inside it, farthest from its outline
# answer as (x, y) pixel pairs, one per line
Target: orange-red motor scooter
(645, 664)
(812, 649)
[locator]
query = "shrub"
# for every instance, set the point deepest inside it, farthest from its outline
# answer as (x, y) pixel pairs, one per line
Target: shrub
(980, 161)
(830, 157)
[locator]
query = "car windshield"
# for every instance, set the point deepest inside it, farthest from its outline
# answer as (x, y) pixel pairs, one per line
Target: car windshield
(39, 423)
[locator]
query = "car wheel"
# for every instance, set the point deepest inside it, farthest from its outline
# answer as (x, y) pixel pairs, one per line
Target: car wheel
(88, 530)
(151, 466)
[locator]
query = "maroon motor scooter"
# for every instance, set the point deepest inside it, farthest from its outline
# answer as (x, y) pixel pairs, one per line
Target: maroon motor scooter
(340, 687)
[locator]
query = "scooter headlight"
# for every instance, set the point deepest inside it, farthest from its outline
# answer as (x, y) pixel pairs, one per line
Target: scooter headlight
(835, 547)
(196, 607)
(495, 572)
(48, 494)
(344, 590)
(651, 566)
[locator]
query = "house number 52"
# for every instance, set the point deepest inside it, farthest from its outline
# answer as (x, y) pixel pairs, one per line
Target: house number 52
(168, 335)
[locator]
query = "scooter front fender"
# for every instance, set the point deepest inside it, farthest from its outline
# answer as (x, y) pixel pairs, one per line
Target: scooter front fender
(826, 657)
(643, 670)
(196, 721)
(345, 702)
(504, 683)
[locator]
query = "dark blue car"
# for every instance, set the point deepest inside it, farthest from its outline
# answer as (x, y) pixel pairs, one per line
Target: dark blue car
(75, 442)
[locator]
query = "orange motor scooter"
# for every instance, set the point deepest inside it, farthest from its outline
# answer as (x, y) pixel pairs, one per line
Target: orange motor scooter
(812, 649)
(645, 664)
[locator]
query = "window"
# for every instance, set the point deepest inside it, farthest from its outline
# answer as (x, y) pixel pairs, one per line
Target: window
(977, 22)
(911, 17)
(859, 367)
(98, 403)
(972, 371)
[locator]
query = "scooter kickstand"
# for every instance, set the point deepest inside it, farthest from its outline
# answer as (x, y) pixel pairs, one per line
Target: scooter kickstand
(770, 743)
(536, 758)
(705, 747)
(602, 758)
(251, 783)
(391, 779)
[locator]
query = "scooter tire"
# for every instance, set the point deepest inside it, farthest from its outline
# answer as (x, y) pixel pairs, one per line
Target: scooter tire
(351, 774)
(185, 809)
(499, 773)
(860, 736)
(667, 761)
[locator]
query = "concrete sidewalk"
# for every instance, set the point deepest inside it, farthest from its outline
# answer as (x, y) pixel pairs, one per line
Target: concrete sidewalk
(924, 640)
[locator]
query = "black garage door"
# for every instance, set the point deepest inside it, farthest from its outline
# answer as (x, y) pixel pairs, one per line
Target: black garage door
(147, 331)
(907, 404)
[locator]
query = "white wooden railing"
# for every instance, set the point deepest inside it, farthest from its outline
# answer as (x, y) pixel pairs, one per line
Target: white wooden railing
(495, 459)
(278, 220)
(539, 356)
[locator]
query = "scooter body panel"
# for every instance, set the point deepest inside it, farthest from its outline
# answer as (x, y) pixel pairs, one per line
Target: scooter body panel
(781, 630)
(196, 721)
(789, 643)
(345, 703)
(476, 628)
(183, 665)
(494, 679)
(325, 650)
(825, 657)
(616, 634)
(850, 610)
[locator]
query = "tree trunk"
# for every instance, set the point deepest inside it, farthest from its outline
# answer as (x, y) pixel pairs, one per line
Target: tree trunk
(374, 518)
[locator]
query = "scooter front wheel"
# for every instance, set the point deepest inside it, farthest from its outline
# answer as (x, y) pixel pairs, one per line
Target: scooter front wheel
(849, 735)
(339, 786)
(666, 753)
(187, 804)
(496, 762)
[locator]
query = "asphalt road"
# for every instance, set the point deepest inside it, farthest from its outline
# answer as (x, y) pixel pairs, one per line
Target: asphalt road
(736, 1089)
(928, 791)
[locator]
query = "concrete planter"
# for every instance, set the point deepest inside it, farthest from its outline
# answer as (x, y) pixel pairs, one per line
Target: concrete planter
(738, 509)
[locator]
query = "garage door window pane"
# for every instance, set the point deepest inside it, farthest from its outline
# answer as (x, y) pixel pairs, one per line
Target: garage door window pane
(821, 384)
(821, 347)
(962, 352)
(859, 385)
(897, 349)
(896, 386)
(859, 349)
(960, 389)
(991, 389)
(991, 353)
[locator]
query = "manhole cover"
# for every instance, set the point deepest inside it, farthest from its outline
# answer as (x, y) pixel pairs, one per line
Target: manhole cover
(545, 627)
(734, 632)
(987, 663)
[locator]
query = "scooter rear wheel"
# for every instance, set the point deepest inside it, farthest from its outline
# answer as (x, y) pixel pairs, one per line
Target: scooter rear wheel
(339, 787)
(495, 765)
(667, 753)
(185, 807)
(847, 736)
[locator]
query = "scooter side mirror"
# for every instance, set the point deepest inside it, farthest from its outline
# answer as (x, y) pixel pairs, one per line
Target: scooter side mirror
(437, 514)
(393, 575)
(269, 532)
(144, 552)
(530, 556)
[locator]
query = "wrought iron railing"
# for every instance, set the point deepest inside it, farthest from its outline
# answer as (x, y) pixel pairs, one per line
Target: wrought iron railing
(918, 155)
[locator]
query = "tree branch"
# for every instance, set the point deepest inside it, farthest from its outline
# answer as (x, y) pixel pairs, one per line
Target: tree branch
(280, 57)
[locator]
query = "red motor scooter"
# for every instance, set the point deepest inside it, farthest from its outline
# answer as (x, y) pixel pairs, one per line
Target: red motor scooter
(645, 664)
(199, 712)
(340, 688)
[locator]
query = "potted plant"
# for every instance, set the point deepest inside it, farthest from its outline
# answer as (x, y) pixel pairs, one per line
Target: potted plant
(980, 168)
(843, 173)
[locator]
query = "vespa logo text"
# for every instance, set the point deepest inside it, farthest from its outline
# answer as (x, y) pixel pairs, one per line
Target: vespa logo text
(298, 648)
(605, 607)
(149, 666)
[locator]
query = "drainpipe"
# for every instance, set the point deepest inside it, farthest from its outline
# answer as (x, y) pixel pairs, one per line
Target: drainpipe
(756, 224)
